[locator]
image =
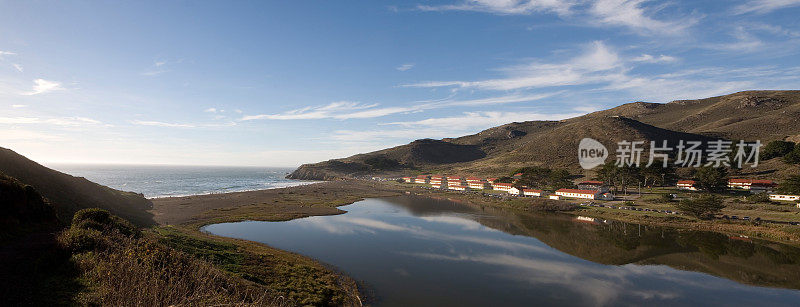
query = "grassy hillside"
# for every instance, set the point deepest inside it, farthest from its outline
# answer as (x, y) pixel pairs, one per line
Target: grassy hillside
(68, 194)
(751, 115)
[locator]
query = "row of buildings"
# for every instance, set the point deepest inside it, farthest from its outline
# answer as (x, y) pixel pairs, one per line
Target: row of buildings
(590, 189)
(586, 189)
(754, 186)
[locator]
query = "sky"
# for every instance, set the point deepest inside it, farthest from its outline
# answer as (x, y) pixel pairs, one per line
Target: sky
(281, 83)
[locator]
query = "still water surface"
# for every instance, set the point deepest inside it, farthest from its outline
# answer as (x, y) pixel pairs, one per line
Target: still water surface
(420, 251)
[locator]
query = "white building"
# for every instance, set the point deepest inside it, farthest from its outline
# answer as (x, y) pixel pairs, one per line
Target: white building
(784, 197)
(514, 191)
(754, 185)
(555, 197)
(690, 185)
(585, 194)
(457, 187)
(502, 186)
(479, 185)
(531, 192)
(407, 179)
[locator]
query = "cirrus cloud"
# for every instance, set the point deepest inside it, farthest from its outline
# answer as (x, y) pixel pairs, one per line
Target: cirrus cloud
(42, 86)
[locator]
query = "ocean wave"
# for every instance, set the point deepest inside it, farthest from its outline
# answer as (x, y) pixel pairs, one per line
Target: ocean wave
(274, 186)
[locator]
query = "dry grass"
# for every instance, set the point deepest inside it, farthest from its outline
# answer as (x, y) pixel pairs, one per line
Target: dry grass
(122, 267)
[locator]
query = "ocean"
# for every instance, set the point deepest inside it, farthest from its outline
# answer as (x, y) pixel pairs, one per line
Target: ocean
(165, 181)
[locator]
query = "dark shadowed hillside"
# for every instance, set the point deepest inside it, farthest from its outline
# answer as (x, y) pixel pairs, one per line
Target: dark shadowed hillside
(751, 115)
(68, 194)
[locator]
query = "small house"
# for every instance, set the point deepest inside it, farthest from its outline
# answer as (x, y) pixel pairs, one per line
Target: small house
(584, 194)
(784, 197)
(690, 185)
(531, 192)
(502, 186)
(748, 184)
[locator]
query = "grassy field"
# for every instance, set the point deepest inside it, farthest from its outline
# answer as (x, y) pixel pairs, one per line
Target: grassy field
(301, 280)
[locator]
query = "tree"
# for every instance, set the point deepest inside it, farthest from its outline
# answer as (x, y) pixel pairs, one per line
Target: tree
(559, 179)
(656, 173)
(713, 179)
(776, 149)
(702, 207)
(505, 179)
(534, 176)
(793, 157)
(609, 174)
(791, 185)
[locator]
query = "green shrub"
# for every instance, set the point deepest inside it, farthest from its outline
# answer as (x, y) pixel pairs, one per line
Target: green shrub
(702, 207)
(757, 198)
(103, 221)
(80, 240)
(776, 149)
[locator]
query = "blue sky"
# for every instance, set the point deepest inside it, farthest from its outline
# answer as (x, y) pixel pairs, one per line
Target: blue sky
(287, 82)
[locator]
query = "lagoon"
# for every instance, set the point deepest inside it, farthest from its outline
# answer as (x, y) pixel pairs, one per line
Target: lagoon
(412, 250)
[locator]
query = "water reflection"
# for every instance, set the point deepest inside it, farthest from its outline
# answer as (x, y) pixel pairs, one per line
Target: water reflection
(414, 250)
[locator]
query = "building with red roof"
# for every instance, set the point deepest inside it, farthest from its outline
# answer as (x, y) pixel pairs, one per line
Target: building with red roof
(585, 194)
(690, 185)
(752, 185)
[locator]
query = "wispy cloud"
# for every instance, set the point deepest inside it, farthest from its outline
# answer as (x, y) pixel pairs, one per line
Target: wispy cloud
(17, 67)
(42, 86)
(17, 106)
(632, 14)
(505, 7)
(353, 110)
(600, 68)
(59, 121)
(647, 58)
(160, 124)
(764, 6)
(628, 13)
(337, 110)
(405, 67)
(744, 41)
(472, 120)
(210, 110)
(5, 53)
(588, 67)
(158, 67)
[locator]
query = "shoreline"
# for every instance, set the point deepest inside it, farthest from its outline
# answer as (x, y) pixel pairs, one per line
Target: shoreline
(302, 183)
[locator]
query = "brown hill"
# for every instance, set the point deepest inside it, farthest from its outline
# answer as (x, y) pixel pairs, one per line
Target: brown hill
(69, 194)
(751, 115)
